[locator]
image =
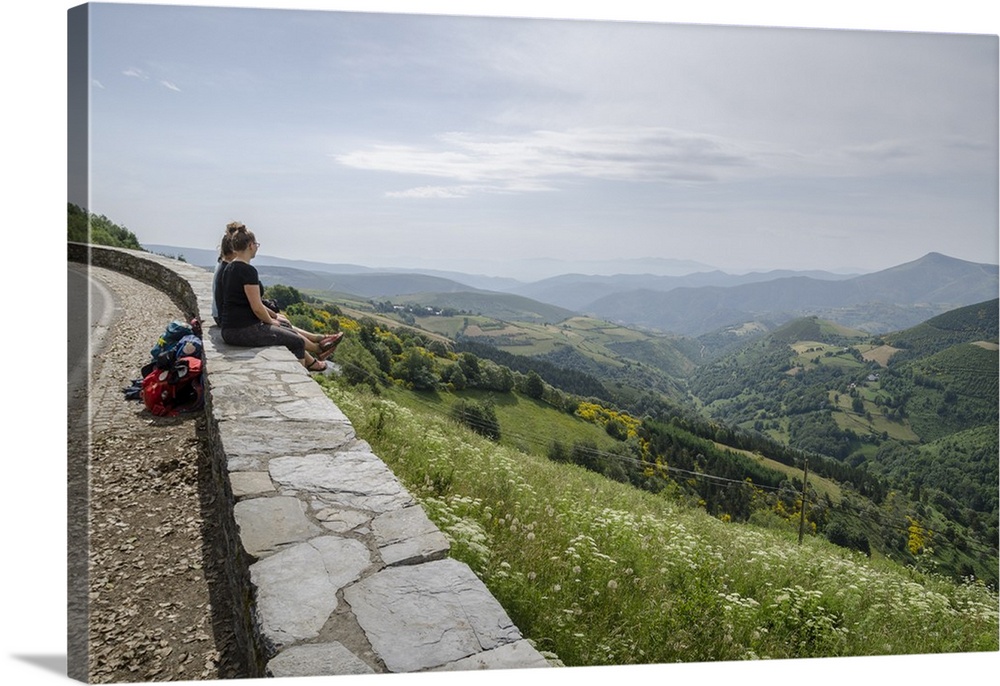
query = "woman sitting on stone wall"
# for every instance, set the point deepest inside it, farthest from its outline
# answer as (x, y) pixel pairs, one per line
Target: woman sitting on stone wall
(320, 345)
(245, 320)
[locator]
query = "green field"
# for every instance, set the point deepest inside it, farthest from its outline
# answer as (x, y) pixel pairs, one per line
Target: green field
(811, 354)
(847, 418)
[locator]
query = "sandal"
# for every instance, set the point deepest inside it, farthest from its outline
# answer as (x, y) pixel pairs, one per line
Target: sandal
(329, 344)
(316, 360)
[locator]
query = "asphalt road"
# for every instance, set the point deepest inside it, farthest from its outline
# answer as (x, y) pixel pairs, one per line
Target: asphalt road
(90, 306)
(85, 317)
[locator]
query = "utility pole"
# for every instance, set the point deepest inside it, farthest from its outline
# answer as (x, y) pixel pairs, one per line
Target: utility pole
(802, 512)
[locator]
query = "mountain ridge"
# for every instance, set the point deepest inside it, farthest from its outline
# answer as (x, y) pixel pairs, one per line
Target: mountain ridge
(934, 283)
(691, 305)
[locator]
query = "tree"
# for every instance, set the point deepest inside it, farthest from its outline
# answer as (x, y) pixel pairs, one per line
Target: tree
(454, 377)
(284, 295)
(438, 348)
(416, 368)
(480, 417)
(586, 454)
(494, 377)
(534, 387)
(558, 452)
(470, 367)
(79, 230)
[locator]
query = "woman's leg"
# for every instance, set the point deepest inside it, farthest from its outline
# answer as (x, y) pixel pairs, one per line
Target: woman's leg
(308, 335)
(297, 344)
(312, 339)
(262, 335)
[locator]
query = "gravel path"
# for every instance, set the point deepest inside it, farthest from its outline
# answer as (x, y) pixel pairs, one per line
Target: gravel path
(155, 611)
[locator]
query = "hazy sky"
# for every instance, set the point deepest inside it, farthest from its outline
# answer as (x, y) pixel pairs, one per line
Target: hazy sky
(400, 140)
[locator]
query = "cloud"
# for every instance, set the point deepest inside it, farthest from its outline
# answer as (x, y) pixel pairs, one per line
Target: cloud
(435, 192)
(542, 159)
(97, 84)
(883, 151)
(940, 155)
(136, 73)
(167, 84)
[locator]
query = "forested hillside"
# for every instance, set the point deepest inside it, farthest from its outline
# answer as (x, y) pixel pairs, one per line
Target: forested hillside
(978, 322)
(98, 229)
(812, 396)
(916, 409)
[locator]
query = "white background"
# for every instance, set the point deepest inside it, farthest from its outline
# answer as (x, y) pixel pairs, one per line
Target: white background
(33, 42)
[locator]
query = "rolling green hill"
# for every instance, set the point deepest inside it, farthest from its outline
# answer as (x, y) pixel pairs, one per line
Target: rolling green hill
(816, 329)
(937, 378)
(978, 322)
(918, 407)
(855, 404)
(631, 361)
(951, 390)
(827, 400)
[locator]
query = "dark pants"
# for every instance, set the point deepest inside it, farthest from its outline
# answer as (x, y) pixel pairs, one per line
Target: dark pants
(260, 335)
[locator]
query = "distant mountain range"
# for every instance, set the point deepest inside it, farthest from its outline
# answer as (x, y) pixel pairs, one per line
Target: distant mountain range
(579, 291)
(279, 265)
(689, 304)
(887, 300)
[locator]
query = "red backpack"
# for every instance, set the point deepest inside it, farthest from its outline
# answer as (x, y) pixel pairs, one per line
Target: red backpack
(175, 389)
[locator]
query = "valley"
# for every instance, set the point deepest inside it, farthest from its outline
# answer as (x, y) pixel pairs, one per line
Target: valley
(851, 403)
(897, 423)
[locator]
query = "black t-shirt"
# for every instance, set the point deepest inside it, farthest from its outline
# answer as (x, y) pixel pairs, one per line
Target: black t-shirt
(236, 311)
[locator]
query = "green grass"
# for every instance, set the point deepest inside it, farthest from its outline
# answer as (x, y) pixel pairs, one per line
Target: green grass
(600, 573)
(526, 424)
(808, 351)
(847, 418)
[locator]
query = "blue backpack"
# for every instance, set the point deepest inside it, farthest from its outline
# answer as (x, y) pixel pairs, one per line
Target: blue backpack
(189, 346)
(178, 341)
(175, 331)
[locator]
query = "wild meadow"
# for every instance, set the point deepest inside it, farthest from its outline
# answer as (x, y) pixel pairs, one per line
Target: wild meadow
(600, 573)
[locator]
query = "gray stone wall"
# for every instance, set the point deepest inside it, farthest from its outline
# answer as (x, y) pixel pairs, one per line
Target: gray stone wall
(334, 567)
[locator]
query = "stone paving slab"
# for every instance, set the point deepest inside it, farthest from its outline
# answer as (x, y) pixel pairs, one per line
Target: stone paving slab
(297, 587)
(341, 519)
(424, 616)
(407, 536)
(250, 445)
(250, 483)
(356, 478)
(317, 659)
(518, 655)
(270, 524)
